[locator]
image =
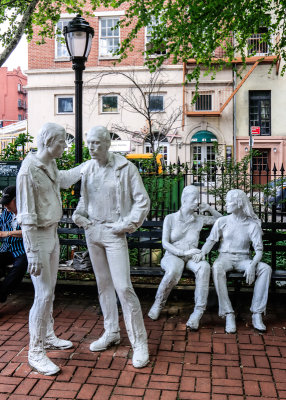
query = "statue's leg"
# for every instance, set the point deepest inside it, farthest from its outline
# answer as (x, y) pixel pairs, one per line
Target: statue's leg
(202, 276)
(52, 341)
(221, 266)
(118, 261)
(260, 295)
(173, 267)
(44, 286)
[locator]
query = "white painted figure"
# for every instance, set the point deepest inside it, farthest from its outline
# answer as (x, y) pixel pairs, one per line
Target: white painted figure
(39, 211)
(236, 232)
(113, 202)
(181, 232)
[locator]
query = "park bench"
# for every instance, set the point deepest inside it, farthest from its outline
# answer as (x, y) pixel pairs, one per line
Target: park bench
(145, 247)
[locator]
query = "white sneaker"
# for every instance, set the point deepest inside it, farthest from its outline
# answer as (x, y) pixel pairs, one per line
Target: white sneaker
(105, 341)
(230, 325)
(56, 343)
(140, 355)
(194, 320)
(154, 311)
(257, 322)
(42, 364)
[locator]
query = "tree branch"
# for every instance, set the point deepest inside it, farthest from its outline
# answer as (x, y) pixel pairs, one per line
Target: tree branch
(19, 33)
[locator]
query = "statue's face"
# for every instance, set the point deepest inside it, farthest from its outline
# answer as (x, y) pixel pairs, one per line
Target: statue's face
(56, 148)
(191, 201)
(231, 203)
(97, 145)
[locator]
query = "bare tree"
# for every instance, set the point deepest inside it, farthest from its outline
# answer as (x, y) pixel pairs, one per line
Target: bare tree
(139, 97)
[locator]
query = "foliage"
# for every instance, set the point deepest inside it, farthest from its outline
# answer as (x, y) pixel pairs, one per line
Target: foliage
(12, 153)
(18, 17)
(180, 30)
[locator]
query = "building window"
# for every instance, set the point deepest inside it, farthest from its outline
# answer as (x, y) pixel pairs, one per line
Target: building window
(19, 87)
(156, 50)
(109, 39)
(64, 104)
(260, 111)
(61, 48)
(156, 103)
(204, 102)
(160, 144)
(109, 104)
(255, 44)
(20, 117)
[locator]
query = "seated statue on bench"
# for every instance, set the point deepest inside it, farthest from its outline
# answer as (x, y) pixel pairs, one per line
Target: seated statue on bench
(181, 232)
(236, 232)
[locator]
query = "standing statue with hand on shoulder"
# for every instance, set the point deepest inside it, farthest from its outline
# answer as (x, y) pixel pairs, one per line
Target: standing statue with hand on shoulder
(181, 232)
(236, 232)
(39, 210)
(113, 202)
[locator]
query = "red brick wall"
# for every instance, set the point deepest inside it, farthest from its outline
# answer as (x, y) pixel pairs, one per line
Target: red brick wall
(43, 56)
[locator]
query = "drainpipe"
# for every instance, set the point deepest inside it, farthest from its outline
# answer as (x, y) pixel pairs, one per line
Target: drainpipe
(234, 115)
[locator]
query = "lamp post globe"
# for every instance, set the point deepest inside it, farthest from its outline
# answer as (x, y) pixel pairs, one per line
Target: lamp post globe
(78, 36)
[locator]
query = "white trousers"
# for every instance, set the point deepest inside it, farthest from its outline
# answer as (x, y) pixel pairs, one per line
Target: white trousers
(40, 317)
(174, 267)
(110, 260)
(228, 262)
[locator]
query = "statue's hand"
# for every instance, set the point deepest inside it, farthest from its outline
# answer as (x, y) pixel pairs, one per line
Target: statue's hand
(34, 265)
(82, 222)
(204, 207)
(191, 252)
(198, 257)
(250, 273)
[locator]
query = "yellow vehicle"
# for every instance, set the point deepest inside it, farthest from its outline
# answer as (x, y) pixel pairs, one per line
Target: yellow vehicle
(138, 158)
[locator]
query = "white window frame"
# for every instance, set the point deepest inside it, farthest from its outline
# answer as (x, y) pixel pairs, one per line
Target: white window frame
(163, 146)
(148, 36)
(64, 96)
(157, 95)
(101, 103)
(64, 57)
(100, 38)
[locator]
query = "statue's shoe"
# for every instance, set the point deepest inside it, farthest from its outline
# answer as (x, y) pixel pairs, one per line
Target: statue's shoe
(154, 311)
(257, 322)
(140, 355)
(105, 341)
(230, 325)
(42, 364)
(53, 342)
(194, 320)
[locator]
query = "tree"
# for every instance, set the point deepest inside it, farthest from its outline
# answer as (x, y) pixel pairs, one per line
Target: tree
(137, 97)
(184, 30)
(194, 29)
(16, 150)
(18, 17)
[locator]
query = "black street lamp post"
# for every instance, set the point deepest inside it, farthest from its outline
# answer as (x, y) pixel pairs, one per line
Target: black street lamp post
(78, 36)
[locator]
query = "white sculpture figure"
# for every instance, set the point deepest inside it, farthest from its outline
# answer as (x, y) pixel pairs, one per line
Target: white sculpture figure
(113, 201)
(235, 233)
(39, 210)
(181, 232)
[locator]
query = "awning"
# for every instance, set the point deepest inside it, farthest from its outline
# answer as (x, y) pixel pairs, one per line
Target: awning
(203, 137)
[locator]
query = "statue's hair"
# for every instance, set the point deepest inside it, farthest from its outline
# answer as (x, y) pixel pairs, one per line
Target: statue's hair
(103, 131)
(189, 189)
(48, 133)
(243, 202)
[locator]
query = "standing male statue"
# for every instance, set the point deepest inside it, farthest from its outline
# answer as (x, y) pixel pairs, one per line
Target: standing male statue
(236, 232)
(181, 232)
(113, 201)
(39, 211)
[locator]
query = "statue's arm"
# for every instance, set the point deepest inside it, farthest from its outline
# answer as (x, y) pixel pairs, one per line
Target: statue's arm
(27, 218)
(80, 215)
(256, 239)
(166, 243)
(209, 220)
(140, 206)
(70, 176)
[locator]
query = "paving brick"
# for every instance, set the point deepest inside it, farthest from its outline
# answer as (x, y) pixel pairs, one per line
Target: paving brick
(251, 388)
(141, 380)
(194, 396)
(128, 391)
(268, 389)
(126, 378)
(160, 368)
(203, 385)
(81, 374)
(168, 395)
(151, 394)
(187, 384)
(25, 386)
(41, 388)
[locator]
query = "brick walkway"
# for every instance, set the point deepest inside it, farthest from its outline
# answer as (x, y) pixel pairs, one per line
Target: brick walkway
(202, 365)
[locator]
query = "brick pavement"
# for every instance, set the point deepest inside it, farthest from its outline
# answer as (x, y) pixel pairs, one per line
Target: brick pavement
(203, 365)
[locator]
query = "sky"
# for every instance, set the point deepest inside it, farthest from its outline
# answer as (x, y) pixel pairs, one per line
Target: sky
(19, 57)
